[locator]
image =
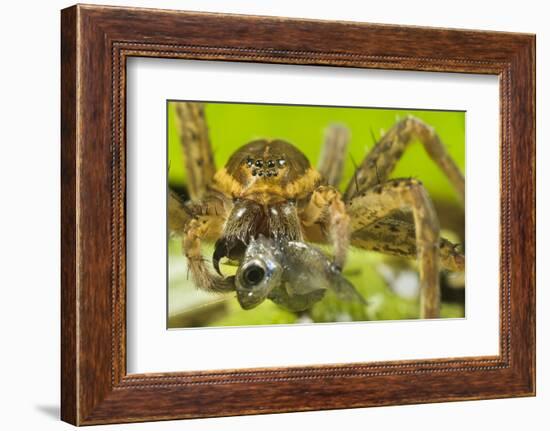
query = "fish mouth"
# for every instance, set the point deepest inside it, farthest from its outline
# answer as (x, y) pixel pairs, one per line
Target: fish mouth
(251, 284)
(249, 305)
(249, 299)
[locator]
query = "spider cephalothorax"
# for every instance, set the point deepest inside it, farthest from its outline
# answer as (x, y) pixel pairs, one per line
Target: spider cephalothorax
(269, 188)
(266, 170)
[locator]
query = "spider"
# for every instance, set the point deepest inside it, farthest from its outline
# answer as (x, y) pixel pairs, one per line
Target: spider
(268, 187)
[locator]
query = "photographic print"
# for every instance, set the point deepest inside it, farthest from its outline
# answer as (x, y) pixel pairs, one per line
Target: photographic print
(292, 214)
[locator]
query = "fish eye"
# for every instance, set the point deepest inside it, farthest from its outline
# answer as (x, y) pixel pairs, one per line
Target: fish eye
(253, 274)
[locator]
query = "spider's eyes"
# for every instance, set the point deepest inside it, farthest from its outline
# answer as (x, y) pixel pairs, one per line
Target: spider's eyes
(271, 166)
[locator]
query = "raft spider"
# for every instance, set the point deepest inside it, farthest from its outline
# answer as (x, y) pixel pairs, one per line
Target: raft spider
(268, 187)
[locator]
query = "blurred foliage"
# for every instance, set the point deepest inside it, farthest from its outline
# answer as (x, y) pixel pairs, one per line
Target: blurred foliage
(232, 125)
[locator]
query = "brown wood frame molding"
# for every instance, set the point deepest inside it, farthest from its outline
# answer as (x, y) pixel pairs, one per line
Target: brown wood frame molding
(95, 42)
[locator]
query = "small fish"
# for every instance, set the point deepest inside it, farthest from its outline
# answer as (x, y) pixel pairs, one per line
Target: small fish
(293, 274)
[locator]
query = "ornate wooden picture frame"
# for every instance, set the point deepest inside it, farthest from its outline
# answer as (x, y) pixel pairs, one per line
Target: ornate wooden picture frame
(96, 41)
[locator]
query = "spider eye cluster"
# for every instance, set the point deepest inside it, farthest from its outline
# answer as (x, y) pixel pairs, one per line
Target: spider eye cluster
(267, 168)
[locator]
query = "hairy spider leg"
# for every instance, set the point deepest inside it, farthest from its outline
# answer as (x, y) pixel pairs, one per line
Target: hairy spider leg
(409, 194)
(380, 162)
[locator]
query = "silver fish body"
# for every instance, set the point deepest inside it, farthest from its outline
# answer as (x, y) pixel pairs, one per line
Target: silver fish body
(293, 274)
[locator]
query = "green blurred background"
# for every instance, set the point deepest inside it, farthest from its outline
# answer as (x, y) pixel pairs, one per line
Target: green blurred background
(388, 284)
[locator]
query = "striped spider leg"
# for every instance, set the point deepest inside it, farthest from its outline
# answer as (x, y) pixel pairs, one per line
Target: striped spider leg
(376, 206)
(203, 216)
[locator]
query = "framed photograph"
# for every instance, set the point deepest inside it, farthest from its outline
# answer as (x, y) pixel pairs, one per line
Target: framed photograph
(330, 214)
